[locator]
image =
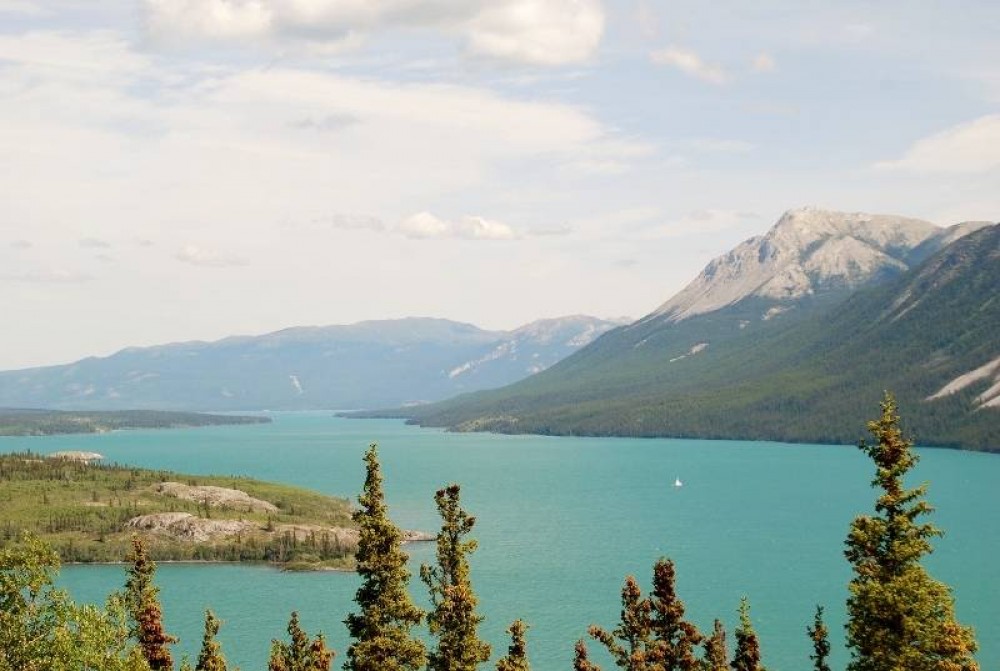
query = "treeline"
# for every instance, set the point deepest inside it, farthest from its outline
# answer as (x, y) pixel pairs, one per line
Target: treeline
(18, 422)
(899, 617)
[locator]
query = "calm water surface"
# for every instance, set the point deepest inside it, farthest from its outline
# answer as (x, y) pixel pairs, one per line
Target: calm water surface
(561, 522)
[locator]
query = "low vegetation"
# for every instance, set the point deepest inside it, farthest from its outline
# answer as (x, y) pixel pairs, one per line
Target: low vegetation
(89, 512)
(18, 422)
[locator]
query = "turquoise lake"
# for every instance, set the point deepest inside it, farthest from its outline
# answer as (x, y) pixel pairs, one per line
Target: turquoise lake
(561, 521)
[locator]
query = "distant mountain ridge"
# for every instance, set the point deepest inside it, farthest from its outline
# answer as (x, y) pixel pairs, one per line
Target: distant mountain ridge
(729, 358)
(368, 364)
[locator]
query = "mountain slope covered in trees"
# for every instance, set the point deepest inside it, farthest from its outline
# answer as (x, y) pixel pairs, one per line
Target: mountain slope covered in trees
(930, 334)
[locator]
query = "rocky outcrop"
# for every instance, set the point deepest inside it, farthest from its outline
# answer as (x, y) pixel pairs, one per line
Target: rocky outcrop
(188, 527)
(215, 497)
(73, 455)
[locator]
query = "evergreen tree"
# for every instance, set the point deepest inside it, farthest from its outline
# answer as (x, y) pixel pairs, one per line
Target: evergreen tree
(210, 658)
(453, 619)
(300, 654)
(517, 653)
(747, 655)
(898, 616)
(141, 599)
(821, 645)
(381, 630)
(675, 639)
(580, 660)
(716, 655)
(652, 634)
(629, 642)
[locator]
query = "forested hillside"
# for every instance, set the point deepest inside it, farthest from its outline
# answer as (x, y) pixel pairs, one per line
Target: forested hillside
(804, 379)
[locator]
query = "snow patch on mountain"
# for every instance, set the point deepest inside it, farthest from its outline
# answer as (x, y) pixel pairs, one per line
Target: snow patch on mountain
(700, 347)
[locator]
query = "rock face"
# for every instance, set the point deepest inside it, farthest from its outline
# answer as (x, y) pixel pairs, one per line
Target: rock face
(808, 252)
(216, 497)
(187, 527)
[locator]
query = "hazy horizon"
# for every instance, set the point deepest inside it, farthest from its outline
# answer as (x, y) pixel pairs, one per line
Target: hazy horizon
(188, 170)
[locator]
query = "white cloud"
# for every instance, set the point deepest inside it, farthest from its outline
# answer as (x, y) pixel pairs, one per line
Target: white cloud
(46, 276)
(425, 225)
(541, 32)
(690, 63)
(208, 258)
(93, 243)
(972, 147)
(764, 62)
(22, 7)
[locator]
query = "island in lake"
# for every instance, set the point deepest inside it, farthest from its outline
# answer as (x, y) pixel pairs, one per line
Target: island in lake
(89, 511)
(37, 422)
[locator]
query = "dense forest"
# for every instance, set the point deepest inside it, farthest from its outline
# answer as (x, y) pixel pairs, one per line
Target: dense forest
(31, 422)
(899, 616)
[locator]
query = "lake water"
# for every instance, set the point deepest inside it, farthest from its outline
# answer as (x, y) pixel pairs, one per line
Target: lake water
(561, 521)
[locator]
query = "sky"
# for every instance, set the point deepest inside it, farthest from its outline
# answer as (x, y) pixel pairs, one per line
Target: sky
(192, 169)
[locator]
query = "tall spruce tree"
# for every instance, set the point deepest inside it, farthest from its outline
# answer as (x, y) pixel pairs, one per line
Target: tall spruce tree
(747, 655)
(674, 638)
(517, 654)
(818, 634)
(898, 616)
(143, 605)
(381, 630)
(210, 658)
(453, 620)
(300, 654)
(652, 634)
(716, 656)
(629, 643)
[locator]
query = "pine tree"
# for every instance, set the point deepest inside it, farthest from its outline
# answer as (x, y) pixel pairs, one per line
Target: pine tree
(747, 655)
(629, 642)
(517, 653)
(210, 658)
(898, 616)
(716, 655)
(453, 619)
(821, 645)
(381, 630)
(675, 639)
(143, 604)
(580, 660)
(652, 634)
(300, 654)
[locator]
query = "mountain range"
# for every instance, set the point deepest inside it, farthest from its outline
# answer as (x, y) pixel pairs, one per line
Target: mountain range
(363, 365)
(793, 335)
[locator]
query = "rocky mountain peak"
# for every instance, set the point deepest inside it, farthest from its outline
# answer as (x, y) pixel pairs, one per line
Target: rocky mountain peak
(807, 252)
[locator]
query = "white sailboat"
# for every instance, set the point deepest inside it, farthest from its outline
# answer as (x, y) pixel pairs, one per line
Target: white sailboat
(678, 483)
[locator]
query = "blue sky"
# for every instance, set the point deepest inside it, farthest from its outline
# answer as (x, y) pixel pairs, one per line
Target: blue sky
(191, 169)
